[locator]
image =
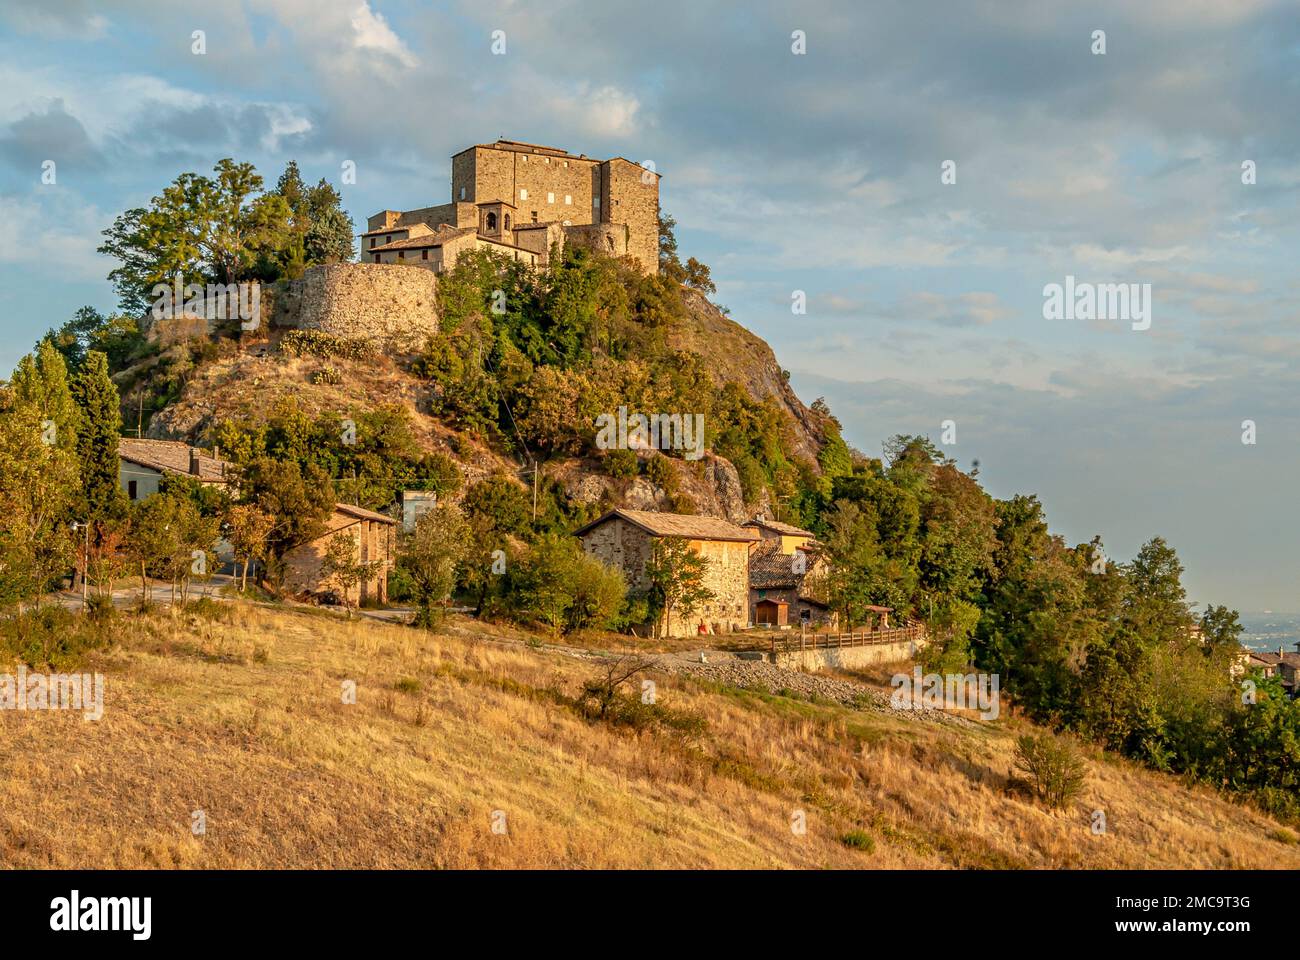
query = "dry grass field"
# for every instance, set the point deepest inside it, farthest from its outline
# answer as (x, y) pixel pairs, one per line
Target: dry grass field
(241, 716)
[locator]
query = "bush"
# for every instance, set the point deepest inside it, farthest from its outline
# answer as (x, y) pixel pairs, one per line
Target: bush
(1055, 769)
(859, 840)
(317, 343)
(327, 375)
(619, 464)
(53, 636)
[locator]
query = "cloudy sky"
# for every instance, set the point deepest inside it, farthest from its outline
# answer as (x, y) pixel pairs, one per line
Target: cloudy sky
(817, 172)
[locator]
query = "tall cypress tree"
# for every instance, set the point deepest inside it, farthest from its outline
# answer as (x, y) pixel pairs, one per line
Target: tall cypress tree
(100, 426)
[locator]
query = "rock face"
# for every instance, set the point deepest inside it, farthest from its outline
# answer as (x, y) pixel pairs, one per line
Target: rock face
(711, 484)
(735, 355)
(391, 306)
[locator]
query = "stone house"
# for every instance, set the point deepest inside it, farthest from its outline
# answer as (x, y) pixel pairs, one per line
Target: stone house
(1285, 666)
(523, 199)
(374, 536)
(787, 577)
(623, 539)
(141, 465)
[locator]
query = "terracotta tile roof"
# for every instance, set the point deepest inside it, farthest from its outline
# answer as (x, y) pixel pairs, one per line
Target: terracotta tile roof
(677, 525)
(778, 527)
(171, 456)
(361, 513)
(428, 240)
(770, 569)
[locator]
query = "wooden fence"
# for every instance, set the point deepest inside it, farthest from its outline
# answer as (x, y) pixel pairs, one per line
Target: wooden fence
(865, 638)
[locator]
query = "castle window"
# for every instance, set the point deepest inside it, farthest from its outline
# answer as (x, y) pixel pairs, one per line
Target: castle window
(534, 216)
(491, 220)
(566, 163)
(523, 194)
(568, 200)
(595, 201)
(523, 158)
(550, 198)
(507, 221)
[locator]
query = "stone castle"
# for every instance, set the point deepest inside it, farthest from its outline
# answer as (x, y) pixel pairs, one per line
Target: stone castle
(525, 201)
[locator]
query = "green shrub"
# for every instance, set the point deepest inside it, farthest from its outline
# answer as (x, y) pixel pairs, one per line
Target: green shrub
(317, 343)
(619, 464)
(859, 840)
(1055, 769)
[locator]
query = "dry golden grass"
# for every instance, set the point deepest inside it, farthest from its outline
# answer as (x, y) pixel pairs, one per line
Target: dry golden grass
(243, 719)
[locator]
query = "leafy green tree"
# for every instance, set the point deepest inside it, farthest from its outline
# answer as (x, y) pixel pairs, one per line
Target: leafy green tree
(343, 567)
(431, 556)
(37, 486)
(298, 501)
(676, 576)
(199, 228)
(41, 380)
(1221, 628)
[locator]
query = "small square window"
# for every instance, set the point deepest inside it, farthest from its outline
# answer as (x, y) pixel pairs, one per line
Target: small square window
(388, 239)
(523, 158)
(424, 254)
(568, 200)
(523, 194)
(550, 198)
(373, 240)
(401, 254)
(566, 163)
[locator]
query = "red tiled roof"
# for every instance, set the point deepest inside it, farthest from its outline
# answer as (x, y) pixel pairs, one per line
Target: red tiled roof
(171, 456)
(689, 526)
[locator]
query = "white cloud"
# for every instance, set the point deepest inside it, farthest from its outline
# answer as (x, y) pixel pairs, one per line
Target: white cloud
(372, 32)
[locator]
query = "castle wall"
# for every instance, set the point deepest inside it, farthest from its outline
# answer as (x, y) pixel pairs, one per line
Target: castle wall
(631, 196)
(608, 238)
(390, 306)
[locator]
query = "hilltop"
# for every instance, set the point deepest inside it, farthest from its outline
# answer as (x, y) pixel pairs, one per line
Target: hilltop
(238, 713)
(198, 379)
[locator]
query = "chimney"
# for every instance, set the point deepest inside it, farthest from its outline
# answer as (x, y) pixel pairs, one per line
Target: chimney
(194, 462)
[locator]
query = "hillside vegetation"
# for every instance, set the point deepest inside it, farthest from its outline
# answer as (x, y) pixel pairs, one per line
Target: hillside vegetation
(238, 714)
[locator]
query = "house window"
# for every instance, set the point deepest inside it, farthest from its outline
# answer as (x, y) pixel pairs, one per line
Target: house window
(568, 200)
(130, 489)
(373, 241)
(491, 220)
(376, 258)
(401, 254)
(550, 198)
(424, 254)
(523, 194)
(388, 239)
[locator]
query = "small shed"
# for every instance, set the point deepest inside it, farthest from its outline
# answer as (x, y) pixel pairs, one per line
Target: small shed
(771, 613)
